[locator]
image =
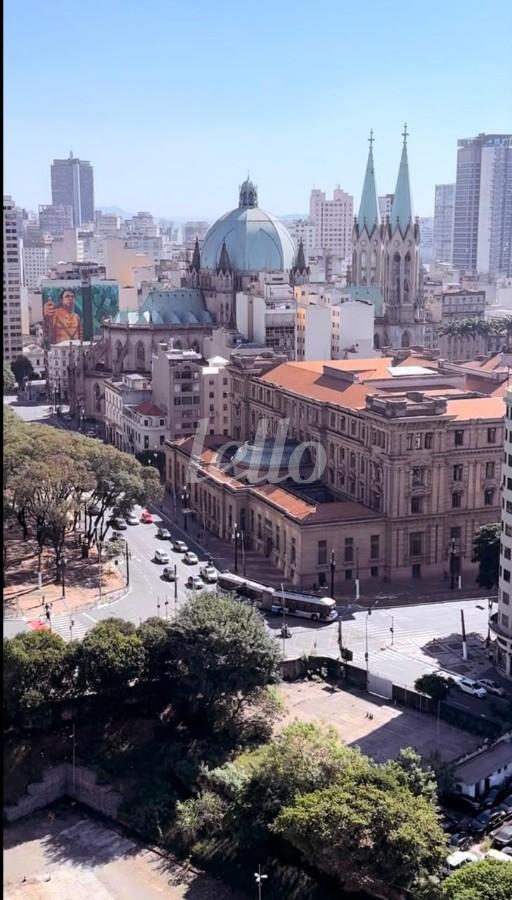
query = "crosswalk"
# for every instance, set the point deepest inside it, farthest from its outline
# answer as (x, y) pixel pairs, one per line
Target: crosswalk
(72, 627)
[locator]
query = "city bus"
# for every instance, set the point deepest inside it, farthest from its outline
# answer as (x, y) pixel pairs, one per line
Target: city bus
(239, 585)
(292, 603)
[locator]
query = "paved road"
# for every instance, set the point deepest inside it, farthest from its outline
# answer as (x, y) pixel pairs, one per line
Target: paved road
(402, 656)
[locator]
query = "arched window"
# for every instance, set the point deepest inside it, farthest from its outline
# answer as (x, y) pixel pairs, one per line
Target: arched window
(376, 342)
(97, 397)
(140, 355)
(395, 278)
(406, 339)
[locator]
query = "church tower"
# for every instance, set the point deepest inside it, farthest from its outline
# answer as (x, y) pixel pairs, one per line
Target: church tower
(367, 232)
(400, 283)
(195, 266)
(300, 272)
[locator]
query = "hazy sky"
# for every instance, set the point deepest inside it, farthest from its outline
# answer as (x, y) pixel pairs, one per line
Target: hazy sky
(173, 102)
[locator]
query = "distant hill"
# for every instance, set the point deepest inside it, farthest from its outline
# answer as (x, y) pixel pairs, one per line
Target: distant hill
(115, 211)
(290, 217)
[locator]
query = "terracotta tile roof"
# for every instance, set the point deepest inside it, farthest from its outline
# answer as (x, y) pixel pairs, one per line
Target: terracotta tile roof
(312, 513)
(476, 408)
(148, 408)
(483, 386)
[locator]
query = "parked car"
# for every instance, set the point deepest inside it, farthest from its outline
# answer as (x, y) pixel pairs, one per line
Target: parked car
(461, 803)
(180, 547)
(132, 519)
(485, 821)
(194, 582)
(471, 687)
(209, 574)
(458, 859)
(164, 534)
(506, 804)
(507, 851)
(169, 574)
(491, 797)
(118, 524)
(503, 835)
(161, 556)
(461, 840)
(190, 558)
(491, 687)
(146, 518)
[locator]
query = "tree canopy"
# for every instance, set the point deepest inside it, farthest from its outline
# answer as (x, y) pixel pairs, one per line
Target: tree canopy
(486, 552)
(434, 685)
(22, 368)
(8, 381)
(488, 879)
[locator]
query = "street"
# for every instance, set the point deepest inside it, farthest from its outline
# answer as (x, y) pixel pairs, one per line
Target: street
(425, 637)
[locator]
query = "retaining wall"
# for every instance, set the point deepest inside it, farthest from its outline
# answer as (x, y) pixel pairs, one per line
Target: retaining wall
(59, 782)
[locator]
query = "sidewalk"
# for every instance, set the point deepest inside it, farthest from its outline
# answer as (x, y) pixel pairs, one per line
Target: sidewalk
(259, 568)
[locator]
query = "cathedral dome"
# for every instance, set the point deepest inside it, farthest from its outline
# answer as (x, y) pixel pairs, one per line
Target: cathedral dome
(255, 240)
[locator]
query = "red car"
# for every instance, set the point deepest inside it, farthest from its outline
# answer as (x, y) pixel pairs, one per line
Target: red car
(146, 518)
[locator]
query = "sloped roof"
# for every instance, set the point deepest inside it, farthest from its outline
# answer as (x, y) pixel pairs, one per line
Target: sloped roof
(148, 408)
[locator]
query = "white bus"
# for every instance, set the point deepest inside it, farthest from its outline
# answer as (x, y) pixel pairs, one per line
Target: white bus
(292, 603)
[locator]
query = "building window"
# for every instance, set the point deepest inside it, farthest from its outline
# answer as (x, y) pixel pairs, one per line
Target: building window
(491, 435)
(489, 470)
(489, 497)
(374, 546)
(348, 574)
(322, 553)
(506, 574)
(504, 620)
(456, 500)
(457, 473)
(416, 570)
(505, 598)
(455, 533)
(429, 440)
(459, 438)
(374, 571)
(349, 549)
(417, 504)
(416, 543)
(293, 550)
(146, 442)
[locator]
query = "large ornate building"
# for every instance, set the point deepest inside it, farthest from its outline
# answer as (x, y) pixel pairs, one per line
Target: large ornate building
(386, 254)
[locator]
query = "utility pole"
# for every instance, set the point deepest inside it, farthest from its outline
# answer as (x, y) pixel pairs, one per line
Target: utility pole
(464, 644)
(127, 565)
(333, 570)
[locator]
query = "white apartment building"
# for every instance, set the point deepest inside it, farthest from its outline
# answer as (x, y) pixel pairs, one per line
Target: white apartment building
(303, 230)
(332, 221)
(443, 222)
(133, 421)
(36, 264)
(35, 355)
(332, 326)
(58, 359)
(13, 293)
(188, 390)
(501, 621)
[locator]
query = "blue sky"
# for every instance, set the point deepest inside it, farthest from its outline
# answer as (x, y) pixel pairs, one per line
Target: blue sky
(174, 102)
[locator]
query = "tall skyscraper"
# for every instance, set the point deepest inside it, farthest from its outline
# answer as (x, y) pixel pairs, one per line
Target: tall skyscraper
(55, 219)
(332, 220)
(443, 222)
(73, 185)
(482, 228)
(12, 281)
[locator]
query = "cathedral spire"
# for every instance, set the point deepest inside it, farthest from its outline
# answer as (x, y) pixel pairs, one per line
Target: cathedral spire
(401, 210)
(195, 265)
(300, 263)
(224, 265)
(369, 209)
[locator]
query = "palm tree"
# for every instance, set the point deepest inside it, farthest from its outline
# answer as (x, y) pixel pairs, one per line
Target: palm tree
(504, 327)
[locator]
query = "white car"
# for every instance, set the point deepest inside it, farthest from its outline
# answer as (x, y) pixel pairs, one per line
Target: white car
(132, 519)
(491, 687)
(161, 556)
(471, 687)
(180, 546)
(194, 582)
(190, 558)
(209, 573)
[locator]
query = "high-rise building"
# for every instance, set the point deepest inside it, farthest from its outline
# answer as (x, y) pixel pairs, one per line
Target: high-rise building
(443, 222)
(36, 263)
(501, 621)
(12, 282)
(482, 227)
(426, 224)
(332, 220)
(55, 219)
(73, 185)
(385, 205)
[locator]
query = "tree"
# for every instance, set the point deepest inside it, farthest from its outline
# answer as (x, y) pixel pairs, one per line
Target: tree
(113, 549)
(22, 368)
(486, 552)
(504, 327)
(9, 380)
(369, 838)
(411, 772)
(434, 686)
(488, 879)
(38, 669)
(111, 657)
(221, 654)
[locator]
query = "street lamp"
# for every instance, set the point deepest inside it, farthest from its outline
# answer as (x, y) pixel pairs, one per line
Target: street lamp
(357, 574)
(235, 535)
(259, 878)
(63, 570)
(185, 497)
(452, 564)
(333, 570)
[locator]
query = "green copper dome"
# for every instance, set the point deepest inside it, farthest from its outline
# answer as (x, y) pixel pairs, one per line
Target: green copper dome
(255, 240)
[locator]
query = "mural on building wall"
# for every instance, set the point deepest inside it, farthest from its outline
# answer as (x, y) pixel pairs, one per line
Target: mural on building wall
(73, 310)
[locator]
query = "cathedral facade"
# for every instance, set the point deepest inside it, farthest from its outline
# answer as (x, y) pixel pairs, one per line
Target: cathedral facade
(386, 255)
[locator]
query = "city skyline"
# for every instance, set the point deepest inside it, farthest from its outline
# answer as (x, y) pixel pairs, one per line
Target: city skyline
(188, 118)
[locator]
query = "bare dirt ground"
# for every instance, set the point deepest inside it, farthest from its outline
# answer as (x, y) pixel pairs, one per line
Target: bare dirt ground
(73, 856)
(22, 596)
(382, 736)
